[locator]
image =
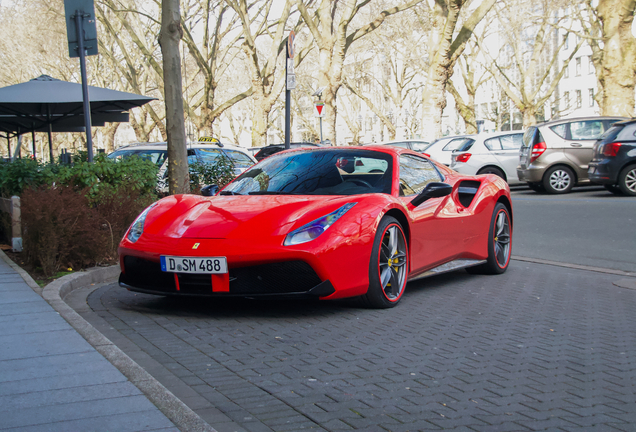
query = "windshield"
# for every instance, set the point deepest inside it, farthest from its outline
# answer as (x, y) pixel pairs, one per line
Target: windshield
(317, 172)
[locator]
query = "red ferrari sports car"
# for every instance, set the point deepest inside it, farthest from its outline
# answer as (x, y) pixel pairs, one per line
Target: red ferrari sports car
(322, 222)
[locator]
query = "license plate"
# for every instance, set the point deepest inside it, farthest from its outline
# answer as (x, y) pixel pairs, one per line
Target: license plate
(195, 265)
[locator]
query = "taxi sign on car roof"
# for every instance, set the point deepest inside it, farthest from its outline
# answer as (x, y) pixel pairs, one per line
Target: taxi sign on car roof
(209, 139)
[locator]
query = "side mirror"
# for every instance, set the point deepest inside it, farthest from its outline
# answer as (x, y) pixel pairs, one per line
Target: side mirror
(432, 190)
(209, 190)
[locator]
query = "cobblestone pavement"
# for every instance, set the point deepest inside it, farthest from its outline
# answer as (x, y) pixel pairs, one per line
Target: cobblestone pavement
(537, 348)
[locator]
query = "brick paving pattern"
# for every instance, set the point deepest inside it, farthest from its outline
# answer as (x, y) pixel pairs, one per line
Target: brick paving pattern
(538, 348)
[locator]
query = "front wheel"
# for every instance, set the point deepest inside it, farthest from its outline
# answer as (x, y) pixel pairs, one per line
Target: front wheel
(627, 180)
(499, 243)
(388, 268)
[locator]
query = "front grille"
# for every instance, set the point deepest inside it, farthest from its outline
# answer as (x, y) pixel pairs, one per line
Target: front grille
(275, 278)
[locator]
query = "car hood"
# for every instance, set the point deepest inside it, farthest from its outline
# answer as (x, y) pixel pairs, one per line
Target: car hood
(220, 217)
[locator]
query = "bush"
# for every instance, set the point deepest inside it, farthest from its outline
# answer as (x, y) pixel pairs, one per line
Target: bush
(220, 173)
(20, 174)
(60, 229)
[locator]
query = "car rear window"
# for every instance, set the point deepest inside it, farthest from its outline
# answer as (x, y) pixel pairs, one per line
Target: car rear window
(611, 134)
(531, 137)
(466, 145)
(455, 144)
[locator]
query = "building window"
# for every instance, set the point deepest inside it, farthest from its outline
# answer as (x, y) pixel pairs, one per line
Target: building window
(578, 66)
(566, 99)
(566, 70)
(591, 97)
(579, 99)
(590, 65)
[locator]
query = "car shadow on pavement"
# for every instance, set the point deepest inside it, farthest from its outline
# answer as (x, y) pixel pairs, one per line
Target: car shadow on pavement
(116, 297)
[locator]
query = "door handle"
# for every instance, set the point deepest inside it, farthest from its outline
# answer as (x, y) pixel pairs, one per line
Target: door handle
(576, 145)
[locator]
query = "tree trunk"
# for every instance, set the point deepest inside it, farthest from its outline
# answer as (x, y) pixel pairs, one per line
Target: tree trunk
(171, 33)
(529, 117)
(617, 76)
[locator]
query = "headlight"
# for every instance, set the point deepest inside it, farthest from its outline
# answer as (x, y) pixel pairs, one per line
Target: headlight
(313, 229)
(137, 227)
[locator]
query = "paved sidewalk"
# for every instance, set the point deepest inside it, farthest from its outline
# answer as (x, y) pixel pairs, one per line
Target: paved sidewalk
(51, 379)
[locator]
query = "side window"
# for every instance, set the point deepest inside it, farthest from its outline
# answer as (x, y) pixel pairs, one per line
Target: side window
(493, 144)
(415, 174)
(560, 129)
(511, 142)
(155, 156)
(586, 130)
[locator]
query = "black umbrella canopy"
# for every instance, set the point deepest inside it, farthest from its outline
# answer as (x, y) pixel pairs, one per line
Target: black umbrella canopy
(44, 101)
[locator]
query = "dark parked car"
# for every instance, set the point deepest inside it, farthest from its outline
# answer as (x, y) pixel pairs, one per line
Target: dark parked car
(614, 161)
(275, 148)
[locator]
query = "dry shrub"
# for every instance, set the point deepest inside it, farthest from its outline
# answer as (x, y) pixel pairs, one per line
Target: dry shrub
(60, 229)
(117, 209)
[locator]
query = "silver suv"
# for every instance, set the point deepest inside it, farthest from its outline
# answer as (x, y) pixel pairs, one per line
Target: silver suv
(554, 156)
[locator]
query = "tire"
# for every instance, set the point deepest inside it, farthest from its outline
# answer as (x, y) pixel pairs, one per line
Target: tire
(613, 189)
(492, 170)
(537, 187)
(388, 267)
(499, 243)
(558, 180)
(627, 180)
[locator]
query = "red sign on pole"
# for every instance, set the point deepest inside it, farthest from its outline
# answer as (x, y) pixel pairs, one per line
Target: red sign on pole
(319, 109)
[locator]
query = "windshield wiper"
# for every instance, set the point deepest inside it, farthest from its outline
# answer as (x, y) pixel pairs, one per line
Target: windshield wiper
(229, 193)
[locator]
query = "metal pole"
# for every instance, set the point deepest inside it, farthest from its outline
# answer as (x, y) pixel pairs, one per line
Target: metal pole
(79, 18)
(33, 140)
(9, 146)
(287, 103)
(321, 130)
(50, 133)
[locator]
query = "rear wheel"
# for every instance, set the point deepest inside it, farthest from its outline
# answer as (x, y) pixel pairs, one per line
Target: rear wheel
(499, 243)
(492, 170)
(627, 180)
(388, 268)
(558, 180)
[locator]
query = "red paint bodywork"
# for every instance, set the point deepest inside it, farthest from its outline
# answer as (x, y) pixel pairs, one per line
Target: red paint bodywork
(250, 230)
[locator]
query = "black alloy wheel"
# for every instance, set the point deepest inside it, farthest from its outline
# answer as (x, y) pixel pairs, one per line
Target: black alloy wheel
(627, 180)
(389, 265)
(499, 243)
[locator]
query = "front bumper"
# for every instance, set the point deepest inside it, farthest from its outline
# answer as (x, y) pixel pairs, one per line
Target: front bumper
(288, 278)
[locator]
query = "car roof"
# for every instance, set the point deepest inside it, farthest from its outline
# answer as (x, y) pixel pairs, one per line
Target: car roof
(575, 119)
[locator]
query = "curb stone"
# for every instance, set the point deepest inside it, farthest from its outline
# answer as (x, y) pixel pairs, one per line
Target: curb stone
(172, 407)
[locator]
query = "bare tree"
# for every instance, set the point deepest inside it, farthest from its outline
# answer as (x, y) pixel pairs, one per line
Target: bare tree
(528, 67)
(473, 75)
(267, 80)
(171, 32)
(607, 26)
(445, 47)
(331, 24)
(391, 64)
